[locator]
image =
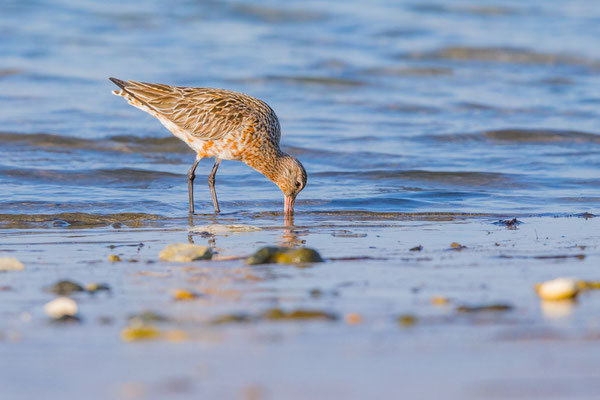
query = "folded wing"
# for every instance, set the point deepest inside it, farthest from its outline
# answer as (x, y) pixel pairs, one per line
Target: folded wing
(206, 113)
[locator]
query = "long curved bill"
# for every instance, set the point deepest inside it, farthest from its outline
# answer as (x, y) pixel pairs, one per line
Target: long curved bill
(288, 208)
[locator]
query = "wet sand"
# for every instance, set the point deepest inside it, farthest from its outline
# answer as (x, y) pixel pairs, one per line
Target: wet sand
(388, 340)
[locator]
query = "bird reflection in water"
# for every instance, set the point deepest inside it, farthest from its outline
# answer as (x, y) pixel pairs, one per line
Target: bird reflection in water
(290, 237)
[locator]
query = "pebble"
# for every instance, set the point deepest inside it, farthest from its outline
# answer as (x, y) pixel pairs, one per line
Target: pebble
(492, 307)
(66, 287)
(146, 317)
(140, 332)
(114, 258)
(61, 307)
(276, 314)
(185, 252)
(10, 264)
(182, 294)
(407, 320)
(284, 255)
(558, 289)
(97, 287)
(439, 300)
(353, 318)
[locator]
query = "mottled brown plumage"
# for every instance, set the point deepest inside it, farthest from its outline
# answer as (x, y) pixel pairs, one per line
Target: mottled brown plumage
(222, 124)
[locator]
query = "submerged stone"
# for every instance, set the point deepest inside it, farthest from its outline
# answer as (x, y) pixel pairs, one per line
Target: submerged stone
(97, 287)
(283, 255)
(485, 308)
(141, 332)
(66, 287)
(407, 319)
(182, 294)
(229, 318)
(353, 318)
(10, 264)
(439, 300)
(146, 317)
(185, 252)
(275, 314)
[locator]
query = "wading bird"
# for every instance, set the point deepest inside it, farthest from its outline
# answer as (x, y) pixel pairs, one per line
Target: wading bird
(222, 124)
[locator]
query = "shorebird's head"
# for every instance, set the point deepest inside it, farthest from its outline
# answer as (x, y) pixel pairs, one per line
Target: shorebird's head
(291, 179)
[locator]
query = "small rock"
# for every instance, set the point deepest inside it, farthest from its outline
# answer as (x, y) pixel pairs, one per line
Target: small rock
(586, 215)
(558, 289)
(146, 317)
(353, 318)
(228, 318)
(182, 294)
(114, 258)
(105, 320)
(185, 252)
(457, 246)
(97, 287)
(439, 300)
(485, 308)
(141, 332)
(509, 223)
(284, 255)
(176, 335)
(407, 320)
(276, 314)
(61, 307)
(64, 288)
(10, 264)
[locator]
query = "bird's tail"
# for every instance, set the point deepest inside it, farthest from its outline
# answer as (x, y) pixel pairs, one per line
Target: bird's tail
(120, 84)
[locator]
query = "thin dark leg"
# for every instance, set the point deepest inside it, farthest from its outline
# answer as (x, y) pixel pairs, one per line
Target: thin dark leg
(191, 177)
(211, 185)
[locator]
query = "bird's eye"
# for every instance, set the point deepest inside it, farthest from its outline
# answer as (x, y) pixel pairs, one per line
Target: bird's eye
(298, 184)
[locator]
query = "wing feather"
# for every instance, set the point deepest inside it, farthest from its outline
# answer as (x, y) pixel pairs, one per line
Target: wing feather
(206, 113)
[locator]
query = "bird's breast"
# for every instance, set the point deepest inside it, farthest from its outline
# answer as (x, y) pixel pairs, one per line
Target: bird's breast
(235, 146)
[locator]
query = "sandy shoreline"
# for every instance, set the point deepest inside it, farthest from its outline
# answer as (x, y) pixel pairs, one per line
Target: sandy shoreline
(532, 343)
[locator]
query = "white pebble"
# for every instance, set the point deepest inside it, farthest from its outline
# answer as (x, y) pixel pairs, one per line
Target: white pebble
(558, 289)
(60, 307)
(10, 264)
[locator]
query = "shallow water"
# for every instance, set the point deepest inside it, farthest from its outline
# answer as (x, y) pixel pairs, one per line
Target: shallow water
(404, 106)
(419, 123)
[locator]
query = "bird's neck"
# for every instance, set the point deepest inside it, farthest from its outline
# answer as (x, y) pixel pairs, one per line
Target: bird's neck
(268, 164)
